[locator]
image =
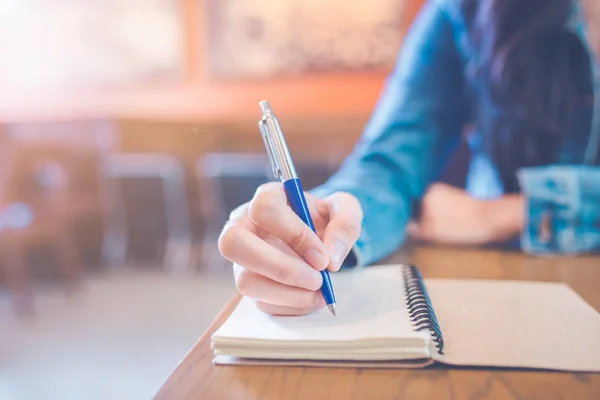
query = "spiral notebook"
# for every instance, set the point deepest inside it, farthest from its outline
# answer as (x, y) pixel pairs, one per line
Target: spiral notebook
(389, 316)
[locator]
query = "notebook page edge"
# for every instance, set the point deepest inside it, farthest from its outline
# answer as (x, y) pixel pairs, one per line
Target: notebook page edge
(233, 361)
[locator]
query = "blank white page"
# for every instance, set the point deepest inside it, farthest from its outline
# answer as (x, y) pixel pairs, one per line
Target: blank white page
(370, 306)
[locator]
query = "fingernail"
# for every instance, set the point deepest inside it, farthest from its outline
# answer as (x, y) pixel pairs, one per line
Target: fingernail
(316, 259)
(337, 252)
(310, 279)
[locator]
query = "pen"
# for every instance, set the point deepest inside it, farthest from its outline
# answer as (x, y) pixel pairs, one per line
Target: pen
(283, 168)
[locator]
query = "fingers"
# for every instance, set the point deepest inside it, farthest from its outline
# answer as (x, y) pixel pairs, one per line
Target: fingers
(269, 210)
(265, 290)
(241, 246)
(344, 227)
(276, 256)
(283, 311)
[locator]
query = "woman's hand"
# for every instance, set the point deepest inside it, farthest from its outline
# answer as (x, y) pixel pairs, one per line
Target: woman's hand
(450, 216)
(277, 257)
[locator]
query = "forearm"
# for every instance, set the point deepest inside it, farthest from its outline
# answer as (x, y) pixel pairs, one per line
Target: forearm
(415, 127)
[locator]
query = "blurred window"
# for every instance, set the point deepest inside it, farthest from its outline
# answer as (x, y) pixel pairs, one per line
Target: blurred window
(51, 44)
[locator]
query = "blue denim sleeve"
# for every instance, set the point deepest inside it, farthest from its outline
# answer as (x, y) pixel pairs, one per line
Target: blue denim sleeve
(416, 125)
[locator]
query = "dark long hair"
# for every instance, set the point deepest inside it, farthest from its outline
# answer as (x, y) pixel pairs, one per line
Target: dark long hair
(531, 74)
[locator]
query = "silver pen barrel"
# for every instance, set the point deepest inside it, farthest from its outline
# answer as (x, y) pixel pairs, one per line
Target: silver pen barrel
(280, 157)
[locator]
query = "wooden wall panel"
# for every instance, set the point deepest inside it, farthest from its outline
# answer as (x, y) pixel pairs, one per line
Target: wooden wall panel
(311, 138)
(197, 96)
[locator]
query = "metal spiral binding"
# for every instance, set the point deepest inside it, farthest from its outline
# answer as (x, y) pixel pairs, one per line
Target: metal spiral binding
(419, 306)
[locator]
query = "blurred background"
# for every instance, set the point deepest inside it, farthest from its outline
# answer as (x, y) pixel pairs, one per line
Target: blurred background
(128, 131)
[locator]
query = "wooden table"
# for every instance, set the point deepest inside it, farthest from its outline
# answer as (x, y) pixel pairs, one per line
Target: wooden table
(197, 378)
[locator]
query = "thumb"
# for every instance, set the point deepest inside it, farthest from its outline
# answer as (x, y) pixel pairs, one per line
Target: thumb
(343, 229)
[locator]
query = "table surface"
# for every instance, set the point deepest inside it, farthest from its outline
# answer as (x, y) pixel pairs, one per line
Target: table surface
(197, 378)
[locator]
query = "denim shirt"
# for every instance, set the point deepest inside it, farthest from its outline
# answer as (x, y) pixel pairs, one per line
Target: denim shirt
(418, 123)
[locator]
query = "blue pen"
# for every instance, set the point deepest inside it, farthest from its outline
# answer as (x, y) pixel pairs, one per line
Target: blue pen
(283, 168)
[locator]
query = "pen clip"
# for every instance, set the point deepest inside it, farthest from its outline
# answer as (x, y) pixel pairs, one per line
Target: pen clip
(264, 131)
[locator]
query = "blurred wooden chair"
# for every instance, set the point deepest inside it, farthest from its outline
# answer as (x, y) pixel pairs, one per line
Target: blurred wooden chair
(41, 184)
(57, 170)
(178, 255)
(89, 143)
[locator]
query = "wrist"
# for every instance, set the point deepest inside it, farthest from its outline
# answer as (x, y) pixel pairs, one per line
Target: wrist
(503, 218)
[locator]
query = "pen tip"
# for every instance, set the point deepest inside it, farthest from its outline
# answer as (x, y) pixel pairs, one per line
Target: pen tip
(331, 308)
